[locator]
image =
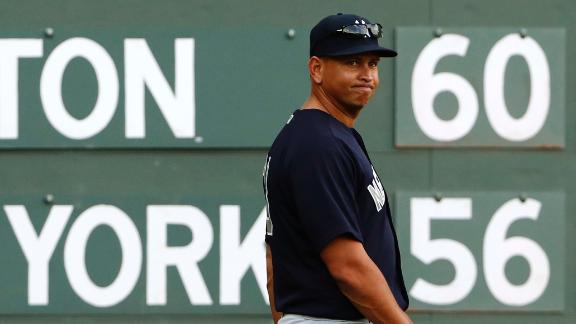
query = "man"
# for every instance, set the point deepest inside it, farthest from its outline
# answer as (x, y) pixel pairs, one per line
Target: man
(332, 254)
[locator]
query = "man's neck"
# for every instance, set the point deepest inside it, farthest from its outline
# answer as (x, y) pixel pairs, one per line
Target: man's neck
(318, 100)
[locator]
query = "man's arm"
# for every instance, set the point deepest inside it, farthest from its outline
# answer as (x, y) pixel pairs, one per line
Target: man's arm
(270, 285)
(361, 281)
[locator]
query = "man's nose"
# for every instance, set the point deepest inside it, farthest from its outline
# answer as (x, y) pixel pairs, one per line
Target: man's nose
(366, 73)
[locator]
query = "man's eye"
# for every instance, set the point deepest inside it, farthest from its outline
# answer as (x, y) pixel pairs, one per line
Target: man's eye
(374, 63)
(353, 62)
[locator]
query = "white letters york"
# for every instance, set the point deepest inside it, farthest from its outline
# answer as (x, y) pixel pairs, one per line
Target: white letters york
(237, 256)
(141, 72)
(377, 191)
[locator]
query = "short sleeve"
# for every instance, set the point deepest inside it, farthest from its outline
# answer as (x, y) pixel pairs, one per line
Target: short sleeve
(323, 182)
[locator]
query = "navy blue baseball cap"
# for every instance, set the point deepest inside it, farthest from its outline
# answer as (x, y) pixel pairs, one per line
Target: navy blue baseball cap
(346, 34)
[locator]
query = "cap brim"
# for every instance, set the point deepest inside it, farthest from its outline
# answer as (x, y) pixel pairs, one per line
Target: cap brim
(368, 48)
(357, 49)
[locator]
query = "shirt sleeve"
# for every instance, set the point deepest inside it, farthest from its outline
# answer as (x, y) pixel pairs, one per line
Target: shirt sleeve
(323, 182)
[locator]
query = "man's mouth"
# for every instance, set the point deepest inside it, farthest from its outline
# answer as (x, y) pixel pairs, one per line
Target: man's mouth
(363, 88)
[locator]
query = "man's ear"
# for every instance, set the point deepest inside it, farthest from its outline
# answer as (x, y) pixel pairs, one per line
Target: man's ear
(316, 69)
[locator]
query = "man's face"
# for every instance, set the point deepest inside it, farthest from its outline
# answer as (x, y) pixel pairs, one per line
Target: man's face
(350, 81)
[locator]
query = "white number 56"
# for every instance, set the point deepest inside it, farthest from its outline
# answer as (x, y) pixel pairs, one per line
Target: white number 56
(497, 250)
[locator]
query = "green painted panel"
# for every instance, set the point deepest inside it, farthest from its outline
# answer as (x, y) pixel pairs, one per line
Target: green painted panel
(483, 251)
(218, 101)
(102, 254)
(503, 170)
(129, 181)
(480, 87)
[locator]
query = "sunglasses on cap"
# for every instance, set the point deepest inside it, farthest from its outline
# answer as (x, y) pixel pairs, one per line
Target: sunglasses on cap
(365, 30)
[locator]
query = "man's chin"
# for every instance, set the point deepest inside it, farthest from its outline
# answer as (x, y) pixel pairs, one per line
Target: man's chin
(360, 103)
(354, 109)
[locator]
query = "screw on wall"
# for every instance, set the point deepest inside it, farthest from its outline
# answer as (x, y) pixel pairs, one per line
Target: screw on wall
(438, 32)
(523, 33)
(522, 197)
(291, 33)
(49, 32)
(437, 196)
(49, 199)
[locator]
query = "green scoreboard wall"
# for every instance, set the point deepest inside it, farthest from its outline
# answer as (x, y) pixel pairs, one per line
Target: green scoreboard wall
(133, 136)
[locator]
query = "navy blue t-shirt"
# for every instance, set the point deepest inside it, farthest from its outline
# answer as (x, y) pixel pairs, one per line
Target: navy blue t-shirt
(320, 184)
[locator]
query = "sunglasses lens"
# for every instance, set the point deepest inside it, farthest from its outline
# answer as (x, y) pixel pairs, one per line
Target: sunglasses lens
(368, 30)
(376, 30)
(356, 29)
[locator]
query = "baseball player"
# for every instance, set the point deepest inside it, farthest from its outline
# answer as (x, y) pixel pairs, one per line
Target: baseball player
(332, 253)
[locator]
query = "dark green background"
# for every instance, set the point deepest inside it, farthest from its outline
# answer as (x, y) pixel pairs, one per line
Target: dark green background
(236, 172)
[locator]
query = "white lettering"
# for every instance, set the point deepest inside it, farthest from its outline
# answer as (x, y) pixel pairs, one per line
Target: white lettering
(505, 125)
(269, 224)
(236, 258)
(377, 191)
(426, 85)
(38, 249)
(51, 88)
(10, 51)
(142, 71)
(75, 251)
(185, 258)
(428, 250)
(499, 248)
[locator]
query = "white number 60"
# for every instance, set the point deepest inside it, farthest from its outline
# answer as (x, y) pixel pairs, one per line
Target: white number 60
(426, 85)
